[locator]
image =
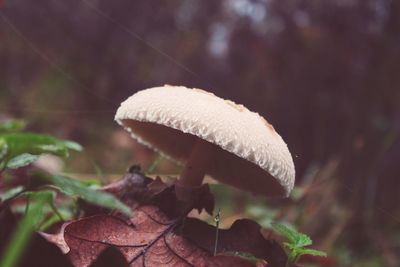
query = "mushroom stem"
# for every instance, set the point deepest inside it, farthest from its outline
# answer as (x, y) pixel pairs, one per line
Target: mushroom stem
(198, 162)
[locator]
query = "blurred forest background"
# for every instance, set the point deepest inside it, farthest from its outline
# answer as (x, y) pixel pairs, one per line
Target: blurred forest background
(326, 74)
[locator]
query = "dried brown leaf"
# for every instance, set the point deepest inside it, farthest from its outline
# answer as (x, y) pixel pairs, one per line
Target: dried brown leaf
(135, 189)
(243, 236)
(58, 239)
(147, 240)
(151, 238)
(41, 253)
(111, 256)
(160, 234)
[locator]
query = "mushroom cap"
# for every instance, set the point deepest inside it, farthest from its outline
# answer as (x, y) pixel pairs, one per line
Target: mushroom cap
(249, 153)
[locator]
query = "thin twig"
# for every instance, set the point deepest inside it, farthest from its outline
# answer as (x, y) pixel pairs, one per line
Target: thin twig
(217, 220)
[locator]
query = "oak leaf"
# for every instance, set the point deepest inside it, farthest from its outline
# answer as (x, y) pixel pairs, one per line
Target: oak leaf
(160, 234)
(149, 238)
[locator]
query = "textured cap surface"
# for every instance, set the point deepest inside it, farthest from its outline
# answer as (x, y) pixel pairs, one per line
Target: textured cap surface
(250, 155)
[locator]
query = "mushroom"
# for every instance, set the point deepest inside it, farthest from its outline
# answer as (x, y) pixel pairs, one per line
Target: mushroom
(210, 135)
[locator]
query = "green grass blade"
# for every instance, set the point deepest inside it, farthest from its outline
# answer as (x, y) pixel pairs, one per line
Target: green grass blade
(23, 233)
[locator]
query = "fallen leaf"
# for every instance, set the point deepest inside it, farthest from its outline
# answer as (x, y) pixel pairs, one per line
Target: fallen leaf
(130, 184)
(42, 253)
(135, 189)
(111, 256)
(243, 236)
(150, 238)
(58, 239)
(160, 234)
(147, 238)
(169, 204)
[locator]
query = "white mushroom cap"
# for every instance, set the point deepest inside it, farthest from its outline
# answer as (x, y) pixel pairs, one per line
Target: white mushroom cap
(249, 154)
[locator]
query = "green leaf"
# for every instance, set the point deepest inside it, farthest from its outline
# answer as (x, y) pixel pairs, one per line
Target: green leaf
(3, 149)
(23, 234)
(297, 242)
(47, 196)
(12, 145)
(50, 222)
(72, 187)
(12, 126)
(295, 238)
(44, 197)
(60, 214)
(21, 161)
(73, 145)
(9, 194)
(293, 256)
(312, 252)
